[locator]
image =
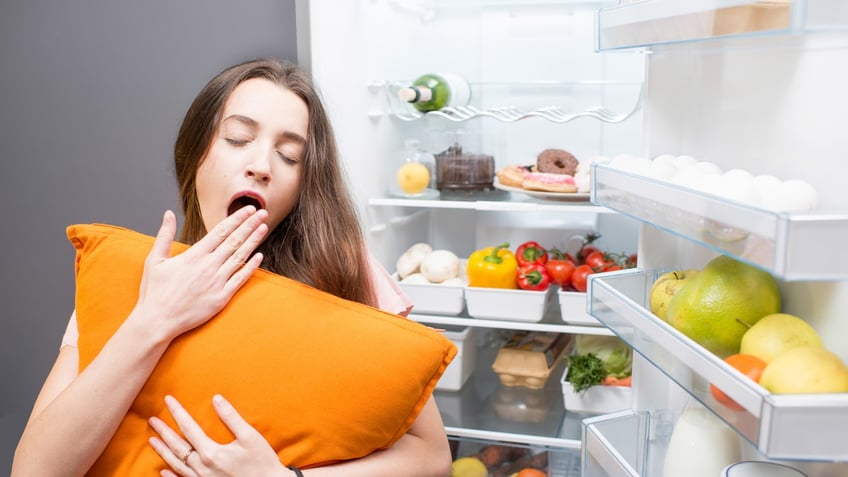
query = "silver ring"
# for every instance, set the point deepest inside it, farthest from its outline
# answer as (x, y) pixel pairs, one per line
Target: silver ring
(188, 453)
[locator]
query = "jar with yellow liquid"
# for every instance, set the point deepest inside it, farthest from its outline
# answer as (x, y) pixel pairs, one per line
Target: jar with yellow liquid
(415, 174)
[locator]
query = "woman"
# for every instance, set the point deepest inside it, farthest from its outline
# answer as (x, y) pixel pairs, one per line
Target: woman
(258, 170)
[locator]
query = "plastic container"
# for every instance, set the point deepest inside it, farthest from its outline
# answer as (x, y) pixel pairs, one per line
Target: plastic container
(597, 399)
(572, 306)
(462, 366)
(507, 304)
(434, 298)
(528, 358)
(465, 159)
(415, 175)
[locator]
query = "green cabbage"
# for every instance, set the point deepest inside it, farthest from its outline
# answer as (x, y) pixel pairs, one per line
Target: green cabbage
(616, 355)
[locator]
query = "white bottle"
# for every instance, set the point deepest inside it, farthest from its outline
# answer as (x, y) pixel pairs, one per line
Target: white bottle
(701, 444)
(434, 91)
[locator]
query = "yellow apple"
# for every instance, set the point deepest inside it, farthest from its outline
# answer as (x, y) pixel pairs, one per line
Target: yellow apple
(806, 369)
(777, 333)
(665, 287)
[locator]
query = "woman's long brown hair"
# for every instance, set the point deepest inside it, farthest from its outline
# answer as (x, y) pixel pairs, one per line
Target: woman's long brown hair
(320, 243)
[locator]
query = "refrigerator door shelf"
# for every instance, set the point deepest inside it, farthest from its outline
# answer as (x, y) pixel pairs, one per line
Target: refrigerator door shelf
(799, 426)
(787, 245)
(615, 444)
(658, 23)
(588, 99)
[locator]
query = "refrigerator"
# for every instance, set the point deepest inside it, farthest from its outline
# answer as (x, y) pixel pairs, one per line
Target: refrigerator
(743, 84)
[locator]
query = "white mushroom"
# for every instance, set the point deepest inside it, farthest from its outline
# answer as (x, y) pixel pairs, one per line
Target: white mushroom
(415, 279)
(410, 261)
(440, 265)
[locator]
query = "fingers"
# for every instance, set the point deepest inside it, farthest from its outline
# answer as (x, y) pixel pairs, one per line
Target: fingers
(165, 237)
(232, 419)
(170, 447)
(232, 231)
(188, 426)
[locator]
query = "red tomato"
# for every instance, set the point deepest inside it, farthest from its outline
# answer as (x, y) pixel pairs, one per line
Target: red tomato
(585, 251)
(749, 365)
(560, 271)
(599, 260)
(612, 268)
(578, 278)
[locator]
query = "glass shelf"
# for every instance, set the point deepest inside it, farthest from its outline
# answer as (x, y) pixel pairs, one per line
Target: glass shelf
(385, 101)
(655, 23)
(787, 426)
(785, 244)
(484, 409)
(550, 322)
(498, 201)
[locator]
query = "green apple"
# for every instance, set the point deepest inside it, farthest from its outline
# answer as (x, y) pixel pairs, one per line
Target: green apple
(665, 287)
(775, 334)
(806, 369)
(720, 303)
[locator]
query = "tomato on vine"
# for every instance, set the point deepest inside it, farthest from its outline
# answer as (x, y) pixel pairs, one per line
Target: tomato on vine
(560, 267)
(579, 277)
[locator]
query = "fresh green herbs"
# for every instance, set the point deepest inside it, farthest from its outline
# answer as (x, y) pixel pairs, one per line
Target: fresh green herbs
(585, 371)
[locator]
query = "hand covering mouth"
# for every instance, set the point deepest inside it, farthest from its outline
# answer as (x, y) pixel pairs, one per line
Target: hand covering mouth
(245, 200)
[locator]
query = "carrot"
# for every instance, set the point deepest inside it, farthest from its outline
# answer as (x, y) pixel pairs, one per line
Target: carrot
(627, 382)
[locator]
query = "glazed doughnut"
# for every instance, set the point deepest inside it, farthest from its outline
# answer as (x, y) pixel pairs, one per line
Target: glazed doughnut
(513, 175)
(547, 182)
(556, 161)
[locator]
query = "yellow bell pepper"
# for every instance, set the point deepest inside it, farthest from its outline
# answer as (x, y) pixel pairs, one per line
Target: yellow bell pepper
(492, 267)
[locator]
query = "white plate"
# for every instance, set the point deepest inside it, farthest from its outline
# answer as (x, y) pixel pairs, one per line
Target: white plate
(560, 196)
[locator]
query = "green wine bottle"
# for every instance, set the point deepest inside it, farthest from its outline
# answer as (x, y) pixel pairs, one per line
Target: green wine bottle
(432, 92)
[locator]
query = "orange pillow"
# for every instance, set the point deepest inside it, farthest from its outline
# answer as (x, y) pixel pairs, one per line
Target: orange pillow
(322, 378)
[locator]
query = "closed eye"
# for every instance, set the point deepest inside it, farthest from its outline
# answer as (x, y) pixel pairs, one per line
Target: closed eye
(236, 142)
(288, 159)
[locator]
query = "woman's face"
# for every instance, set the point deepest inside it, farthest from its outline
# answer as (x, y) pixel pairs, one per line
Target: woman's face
(256, 154)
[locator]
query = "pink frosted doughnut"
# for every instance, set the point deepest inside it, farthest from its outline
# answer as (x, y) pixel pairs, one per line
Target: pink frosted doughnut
(549, 182)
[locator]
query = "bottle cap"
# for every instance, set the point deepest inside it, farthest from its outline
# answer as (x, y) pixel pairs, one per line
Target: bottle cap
(410, 95)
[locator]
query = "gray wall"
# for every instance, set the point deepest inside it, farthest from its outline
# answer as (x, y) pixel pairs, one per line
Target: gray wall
(91, 96)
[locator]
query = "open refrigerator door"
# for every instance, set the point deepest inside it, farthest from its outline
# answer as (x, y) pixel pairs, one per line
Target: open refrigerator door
(746, 85)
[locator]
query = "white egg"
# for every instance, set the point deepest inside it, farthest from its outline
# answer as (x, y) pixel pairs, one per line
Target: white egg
(582, 182)
(636, 165)
(688, 177)
(683, 162)
(665, 159)
(740, 176)
(801, 195)
(621, 161)
(660, 170)
(768, 191)
(710, 184)
(706, 167)
(766, 181)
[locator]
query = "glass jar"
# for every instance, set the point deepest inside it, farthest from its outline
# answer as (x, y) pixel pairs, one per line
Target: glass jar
(415, 176)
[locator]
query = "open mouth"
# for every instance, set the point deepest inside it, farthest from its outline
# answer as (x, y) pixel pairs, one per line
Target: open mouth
(242, 201)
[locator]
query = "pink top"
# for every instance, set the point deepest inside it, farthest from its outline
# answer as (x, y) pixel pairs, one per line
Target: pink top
(389, 298)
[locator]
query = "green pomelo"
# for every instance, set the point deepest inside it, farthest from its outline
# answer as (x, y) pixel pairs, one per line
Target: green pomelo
(718, 305)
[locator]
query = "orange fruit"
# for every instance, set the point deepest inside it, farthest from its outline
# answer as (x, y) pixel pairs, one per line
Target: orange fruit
(747, 364)
(531, 472)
